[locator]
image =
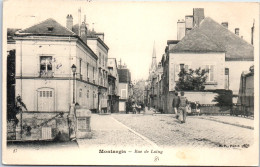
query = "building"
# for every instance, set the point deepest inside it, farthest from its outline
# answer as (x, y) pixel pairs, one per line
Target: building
(238, 51)
(96, 42)
(46, 55)
(124, 87)
(246, 93)
(113, 82)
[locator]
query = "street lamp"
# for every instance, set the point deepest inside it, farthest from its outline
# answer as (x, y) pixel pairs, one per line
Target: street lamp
(73, 68)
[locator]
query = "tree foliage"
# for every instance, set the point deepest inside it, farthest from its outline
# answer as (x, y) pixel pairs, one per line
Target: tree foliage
(138, 91)
(11, 106)
(191, 79)
(224, 99)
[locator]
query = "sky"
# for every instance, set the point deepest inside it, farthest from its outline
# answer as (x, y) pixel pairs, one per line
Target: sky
(131, 27)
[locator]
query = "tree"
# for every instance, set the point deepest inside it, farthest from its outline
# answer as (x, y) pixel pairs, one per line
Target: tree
(191, 79)
(224, 99)
(138, 91)
(11, 106)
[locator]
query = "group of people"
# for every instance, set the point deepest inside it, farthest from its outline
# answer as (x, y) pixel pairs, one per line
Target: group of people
(136, 108)
(179, 104)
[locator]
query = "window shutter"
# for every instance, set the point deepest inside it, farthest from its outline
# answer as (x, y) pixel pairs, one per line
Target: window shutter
(212, 73)
(186, 67)
(177, 71)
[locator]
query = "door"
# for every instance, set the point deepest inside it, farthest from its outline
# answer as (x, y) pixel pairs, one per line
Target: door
(45, 99)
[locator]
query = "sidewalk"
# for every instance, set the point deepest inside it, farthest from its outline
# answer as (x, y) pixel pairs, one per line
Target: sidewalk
(107, 132)
(231, 120)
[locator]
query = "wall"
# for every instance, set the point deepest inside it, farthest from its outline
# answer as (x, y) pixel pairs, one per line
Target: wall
(204, 98)
(235, 70)
(33, 124)
(123, 87)
(64, 54)
(196, 60)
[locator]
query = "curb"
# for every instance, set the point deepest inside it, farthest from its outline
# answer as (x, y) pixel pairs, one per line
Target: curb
(242, 126)
(138, 134)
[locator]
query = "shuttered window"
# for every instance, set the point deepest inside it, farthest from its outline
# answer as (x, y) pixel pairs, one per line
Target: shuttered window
(210, 69)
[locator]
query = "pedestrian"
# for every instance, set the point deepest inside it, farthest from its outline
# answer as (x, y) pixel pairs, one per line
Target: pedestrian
(182, 108)
(176, 103)
(134, 108)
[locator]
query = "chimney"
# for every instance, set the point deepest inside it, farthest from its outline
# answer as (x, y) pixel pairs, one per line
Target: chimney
(237, 31)
(198, 16)
(83, 29)
(69, 22)
(252, 32)
(225, 24)
(180, 29)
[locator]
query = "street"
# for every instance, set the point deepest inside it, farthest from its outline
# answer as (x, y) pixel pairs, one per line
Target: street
(165, 131)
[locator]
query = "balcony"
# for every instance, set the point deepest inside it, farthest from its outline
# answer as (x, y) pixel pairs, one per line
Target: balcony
(46, 74)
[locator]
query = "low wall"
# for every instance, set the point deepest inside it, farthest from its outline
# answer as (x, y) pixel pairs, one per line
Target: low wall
(203, 98)
(42, 126)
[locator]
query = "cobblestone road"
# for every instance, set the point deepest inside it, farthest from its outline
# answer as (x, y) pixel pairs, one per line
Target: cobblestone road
(107, 132)
(166, 131)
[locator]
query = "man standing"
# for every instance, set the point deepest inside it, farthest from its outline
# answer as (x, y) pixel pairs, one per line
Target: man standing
(182, 108)
(175, 103)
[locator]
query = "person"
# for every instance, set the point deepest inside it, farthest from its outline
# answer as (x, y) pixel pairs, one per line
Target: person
(176, 103)
(134, 108)
(182, 108)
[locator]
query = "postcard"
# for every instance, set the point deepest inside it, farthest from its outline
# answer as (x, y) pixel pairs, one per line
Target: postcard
(88, 82)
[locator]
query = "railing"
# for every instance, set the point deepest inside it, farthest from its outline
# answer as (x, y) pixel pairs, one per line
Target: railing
(46, 74)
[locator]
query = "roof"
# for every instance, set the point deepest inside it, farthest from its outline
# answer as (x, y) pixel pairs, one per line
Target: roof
(51, 27)
(124, 75)
(172, 42)
(90, 35)
(211, 36)
(10, 34)
(43, 28)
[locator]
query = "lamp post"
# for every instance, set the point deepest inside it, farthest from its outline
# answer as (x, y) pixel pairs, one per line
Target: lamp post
(73, 68)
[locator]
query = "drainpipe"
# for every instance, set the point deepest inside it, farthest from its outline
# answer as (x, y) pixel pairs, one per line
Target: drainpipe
(21, 76)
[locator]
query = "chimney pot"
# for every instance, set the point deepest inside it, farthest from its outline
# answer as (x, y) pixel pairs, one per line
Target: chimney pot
(237, 31)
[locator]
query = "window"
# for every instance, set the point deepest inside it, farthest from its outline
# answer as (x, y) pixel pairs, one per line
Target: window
(210, 69)
(99, 58)
(178, 68)
(103, 58)
(46, 66)
(94, 93)
(80, 92)
(80, 62)
(123, 93)
(88, 94)
(93, 73)
(87, 70)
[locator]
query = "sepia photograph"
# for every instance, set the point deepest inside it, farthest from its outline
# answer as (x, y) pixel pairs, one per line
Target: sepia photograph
(92, 82)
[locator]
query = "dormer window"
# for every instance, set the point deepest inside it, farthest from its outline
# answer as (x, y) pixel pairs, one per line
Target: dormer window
(50, 29)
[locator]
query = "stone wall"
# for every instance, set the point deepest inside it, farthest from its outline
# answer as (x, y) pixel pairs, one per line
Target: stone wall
(42, 126)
